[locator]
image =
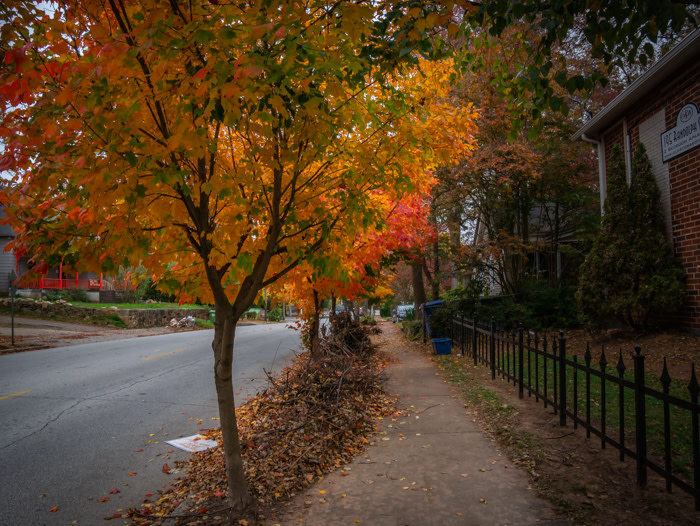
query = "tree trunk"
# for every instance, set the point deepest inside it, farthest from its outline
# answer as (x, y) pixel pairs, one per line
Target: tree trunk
(437, 274)
(554, 269)
(314, 338)
(224, 335)
(418, 286)
(455, 243)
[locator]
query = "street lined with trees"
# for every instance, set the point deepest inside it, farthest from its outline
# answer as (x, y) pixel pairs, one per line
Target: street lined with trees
(231, 147)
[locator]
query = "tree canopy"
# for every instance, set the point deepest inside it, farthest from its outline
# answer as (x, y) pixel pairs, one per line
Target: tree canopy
(225, 145)
(609, 34)
(220, 145)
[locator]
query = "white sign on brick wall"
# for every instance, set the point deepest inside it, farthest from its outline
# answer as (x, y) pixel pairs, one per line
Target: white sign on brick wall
(684, 136)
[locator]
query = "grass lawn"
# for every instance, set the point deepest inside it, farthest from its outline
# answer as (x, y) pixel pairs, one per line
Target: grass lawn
(137, 305)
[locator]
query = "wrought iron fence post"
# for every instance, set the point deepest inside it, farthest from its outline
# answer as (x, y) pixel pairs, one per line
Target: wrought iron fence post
(462, 335)
(521, 355)
(694, 389)
(641, 416)
(562, 379)
(474, 338)
(492, 348)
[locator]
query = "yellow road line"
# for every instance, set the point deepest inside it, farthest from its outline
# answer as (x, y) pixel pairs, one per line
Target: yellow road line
(16, 394)
(164, 354)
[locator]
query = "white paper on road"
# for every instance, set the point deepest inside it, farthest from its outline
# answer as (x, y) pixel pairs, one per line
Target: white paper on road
(193, 444)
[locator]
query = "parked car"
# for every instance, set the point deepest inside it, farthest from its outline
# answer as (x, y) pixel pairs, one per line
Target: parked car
(338, 309)
(401, 312)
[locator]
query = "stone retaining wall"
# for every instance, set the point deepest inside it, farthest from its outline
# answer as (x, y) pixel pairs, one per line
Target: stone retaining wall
(132, 317)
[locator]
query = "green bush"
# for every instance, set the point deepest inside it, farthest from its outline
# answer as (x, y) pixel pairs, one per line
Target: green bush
(274, 314)
(507, 312)
(537, 308)
(463, 299)
(385, 310)
(147, 291)
(413, 329)
(441, 320)
(53, 295)
(112, 319)
(79, 295)
(631, 272)
(204, 324)
(410, 315)
(552, 308)
(252, 313)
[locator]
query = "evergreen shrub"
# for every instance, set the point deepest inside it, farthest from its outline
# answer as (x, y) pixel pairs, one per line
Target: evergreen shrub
(631, 272)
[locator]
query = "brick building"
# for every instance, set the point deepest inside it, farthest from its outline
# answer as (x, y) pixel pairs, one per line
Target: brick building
(660, 109)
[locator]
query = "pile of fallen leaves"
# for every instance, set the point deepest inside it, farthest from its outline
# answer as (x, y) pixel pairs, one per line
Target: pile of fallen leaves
(313, 418)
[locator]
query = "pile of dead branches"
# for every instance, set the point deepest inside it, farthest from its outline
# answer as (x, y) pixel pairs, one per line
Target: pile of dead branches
(313, 418)
(316, 416)
(343, 335)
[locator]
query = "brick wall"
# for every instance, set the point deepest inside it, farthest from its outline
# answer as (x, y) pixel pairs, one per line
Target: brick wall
(684, 181)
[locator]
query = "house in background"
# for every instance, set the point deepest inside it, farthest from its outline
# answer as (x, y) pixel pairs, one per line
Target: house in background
(101, 288)
(661, 110)
(7, 259)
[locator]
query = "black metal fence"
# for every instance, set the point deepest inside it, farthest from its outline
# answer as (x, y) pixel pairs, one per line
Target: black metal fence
(610, 401)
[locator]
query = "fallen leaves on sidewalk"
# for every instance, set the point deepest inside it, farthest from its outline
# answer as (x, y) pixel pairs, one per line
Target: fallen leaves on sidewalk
(313, 418)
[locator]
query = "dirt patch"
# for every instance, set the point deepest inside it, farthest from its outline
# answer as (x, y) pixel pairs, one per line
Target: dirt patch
(680, 349)
(33, 334)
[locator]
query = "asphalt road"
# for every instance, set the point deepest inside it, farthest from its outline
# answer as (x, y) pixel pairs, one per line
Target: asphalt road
(73, 420)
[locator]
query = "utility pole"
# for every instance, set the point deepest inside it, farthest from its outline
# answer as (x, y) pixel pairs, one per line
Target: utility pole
(265, 300)
(13, 290)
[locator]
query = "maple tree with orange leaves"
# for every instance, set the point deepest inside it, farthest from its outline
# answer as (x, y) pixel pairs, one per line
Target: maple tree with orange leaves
(218, 145)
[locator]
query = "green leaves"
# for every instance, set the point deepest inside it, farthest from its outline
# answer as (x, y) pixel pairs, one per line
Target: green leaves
(614, 32)
(631, 271)
(244, 261)
(204, 36)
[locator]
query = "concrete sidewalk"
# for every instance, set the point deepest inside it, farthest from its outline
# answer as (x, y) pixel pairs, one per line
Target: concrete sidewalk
(432, 467)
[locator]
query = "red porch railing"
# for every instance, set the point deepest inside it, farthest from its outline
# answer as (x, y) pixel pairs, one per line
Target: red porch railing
(86, 284)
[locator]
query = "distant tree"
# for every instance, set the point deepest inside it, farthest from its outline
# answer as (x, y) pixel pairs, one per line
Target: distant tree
(631, 271)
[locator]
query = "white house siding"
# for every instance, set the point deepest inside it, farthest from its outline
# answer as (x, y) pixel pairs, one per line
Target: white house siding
(650, 132)
(7, 265)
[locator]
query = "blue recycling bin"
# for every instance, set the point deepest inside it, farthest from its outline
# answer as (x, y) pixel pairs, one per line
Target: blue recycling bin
(442, 345)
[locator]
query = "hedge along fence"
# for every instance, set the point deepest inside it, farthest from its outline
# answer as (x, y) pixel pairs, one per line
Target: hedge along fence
(652, 420)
